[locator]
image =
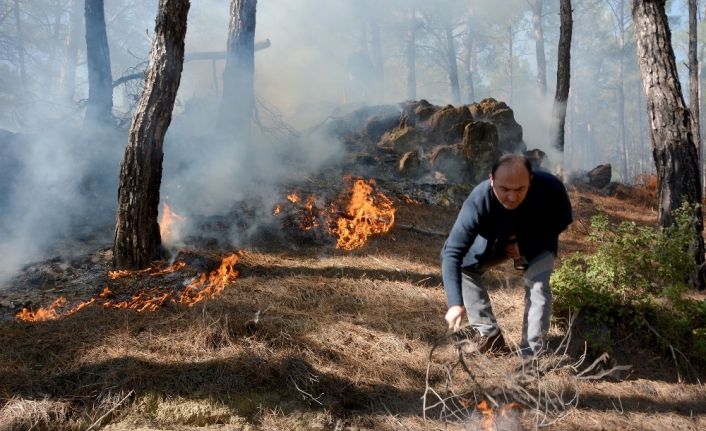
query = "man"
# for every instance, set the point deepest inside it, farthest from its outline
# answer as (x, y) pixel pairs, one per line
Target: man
(514, 214)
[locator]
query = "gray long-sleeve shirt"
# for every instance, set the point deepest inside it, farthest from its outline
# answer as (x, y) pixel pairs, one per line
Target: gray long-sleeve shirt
(483, 227)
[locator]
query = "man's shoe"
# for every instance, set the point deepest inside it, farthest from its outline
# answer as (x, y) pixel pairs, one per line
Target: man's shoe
(494, 344)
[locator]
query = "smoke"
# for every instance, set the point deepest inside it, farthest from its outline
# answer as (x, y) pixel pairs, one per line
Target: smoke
(57, 192)
(319, 65)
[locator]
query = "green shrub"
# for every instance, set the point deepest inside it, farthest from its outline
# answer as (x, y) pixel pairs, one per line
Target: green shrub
(636, 276)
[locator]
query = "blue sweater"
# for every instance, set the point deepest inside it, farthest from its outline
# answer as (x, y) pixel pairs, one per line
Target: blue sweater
(483, 226)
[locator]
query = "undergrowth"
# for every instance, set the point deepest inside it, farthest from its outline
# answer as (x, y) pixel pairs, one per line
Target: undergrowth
(636, 280)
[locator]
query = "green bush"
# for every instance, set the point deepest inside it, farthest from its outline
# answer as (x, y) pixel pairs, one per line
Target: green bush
(636, 276)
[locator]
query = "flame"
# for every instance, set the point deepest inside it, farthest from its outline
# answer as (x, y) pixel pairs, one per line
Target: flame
(488, 421)
(206, 286)
(277, 210)
(366, 215)
(168, 223)
(293, 197)
(211, 285)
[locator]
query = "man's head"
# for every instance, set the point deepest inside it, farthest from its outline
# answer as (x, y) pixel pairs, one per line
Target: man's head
(510, 179)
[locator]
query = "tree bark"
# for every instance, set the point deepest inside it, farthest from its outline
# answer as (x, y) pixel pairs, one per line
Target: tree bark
(411, 56)
(452, 65)
(67, 86)
(100, 81)
(563, 72)
(537, 6)
(20, 47)
(510, 62)
(673, 145)
(137, 238)
(469, 63)
(694, 81)
(238, 100)
(621, 91)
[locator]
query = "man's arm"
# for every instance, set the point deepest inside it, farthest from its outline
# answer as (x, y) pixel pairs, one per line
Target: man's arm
(461, 237)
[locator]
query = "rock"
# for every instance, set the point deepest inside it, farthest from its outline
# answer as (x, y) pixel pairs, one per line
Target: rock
(400, 141)
(499, 114)
(599, 177)
(377, 125)
(536, 157)
(410, 164)
(448, 123)
(424, 110)
(480, 147)
(450, 161)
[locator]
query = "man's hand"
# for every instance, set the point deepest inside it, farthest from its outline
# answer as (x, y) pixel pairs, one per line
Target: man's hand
(511, 249)
(455, 317)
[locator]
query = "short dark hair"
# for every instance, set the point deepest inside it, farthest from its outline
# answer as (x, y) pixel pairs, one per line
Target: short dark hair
(510, 158)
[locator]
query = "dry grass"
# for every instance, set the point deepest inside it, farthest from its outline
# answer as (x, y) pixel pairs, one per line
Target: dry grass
(311, 338)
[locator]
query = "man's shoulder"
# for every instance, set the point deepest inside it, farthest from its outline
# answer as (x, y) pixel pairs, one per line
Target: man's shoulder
(545, 179)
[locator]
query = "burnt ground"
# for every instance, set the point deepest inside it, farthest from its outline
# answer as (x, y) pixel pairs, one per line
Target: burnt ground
(309, 337)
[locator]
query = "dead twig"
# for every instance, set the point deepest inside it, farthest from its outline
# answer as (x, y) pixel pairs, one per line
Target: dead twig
(100, 419)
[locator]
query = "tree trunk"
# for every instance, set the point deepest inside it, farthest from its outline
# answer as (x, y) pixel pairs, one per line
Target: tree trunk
(539, 46)
(563, 72)
(694, 81)
(453, 66)
(239, 74)
(100, 81)
(20, 47)
(469, 63)
(511, 55)
(621, 92)
(673, 146)
(67, 85)
(411, 56)
(137, 239)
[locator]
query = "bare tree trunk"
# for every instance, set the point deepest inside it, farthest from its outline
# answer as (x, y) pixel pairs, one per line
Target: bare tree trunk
(673, 146)
(239, 74)
(694, 81)
(411, 55)
(511, 55)
(137, 239)
(67, 83)
(621, 91)
(563, 72)
(537, 6)
(100, 81)
(468, 63)
(20, 47)
(452, 65)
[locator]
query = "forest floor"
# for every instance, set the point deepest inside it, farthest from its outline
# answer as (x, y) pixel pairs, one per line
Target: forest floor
(309, 337)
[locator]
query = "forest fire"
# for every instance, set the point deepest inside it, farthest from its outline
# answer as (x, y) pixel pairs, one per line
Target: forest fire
(352, 217)
(168, 224)
(198, 289)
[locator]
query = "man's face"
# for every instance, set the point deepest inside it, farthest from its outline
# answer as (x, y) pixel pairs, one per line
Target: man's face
(510, 184)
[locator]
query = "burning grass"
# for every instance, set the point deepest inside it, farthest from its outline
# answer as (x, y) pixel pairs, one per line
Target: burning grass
(352, 217)
(151, 299)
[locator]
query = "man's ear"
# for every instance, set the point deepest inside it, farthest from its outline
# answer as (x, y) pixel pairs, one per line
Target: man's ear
(490, 177)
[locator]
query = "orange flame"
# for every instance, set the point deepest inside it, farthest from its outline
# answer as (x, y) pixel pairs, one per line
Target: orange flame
(293, 198)
(206, 286)
(366, 215)
(489, 414)
(211, 285)
(168, 223)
